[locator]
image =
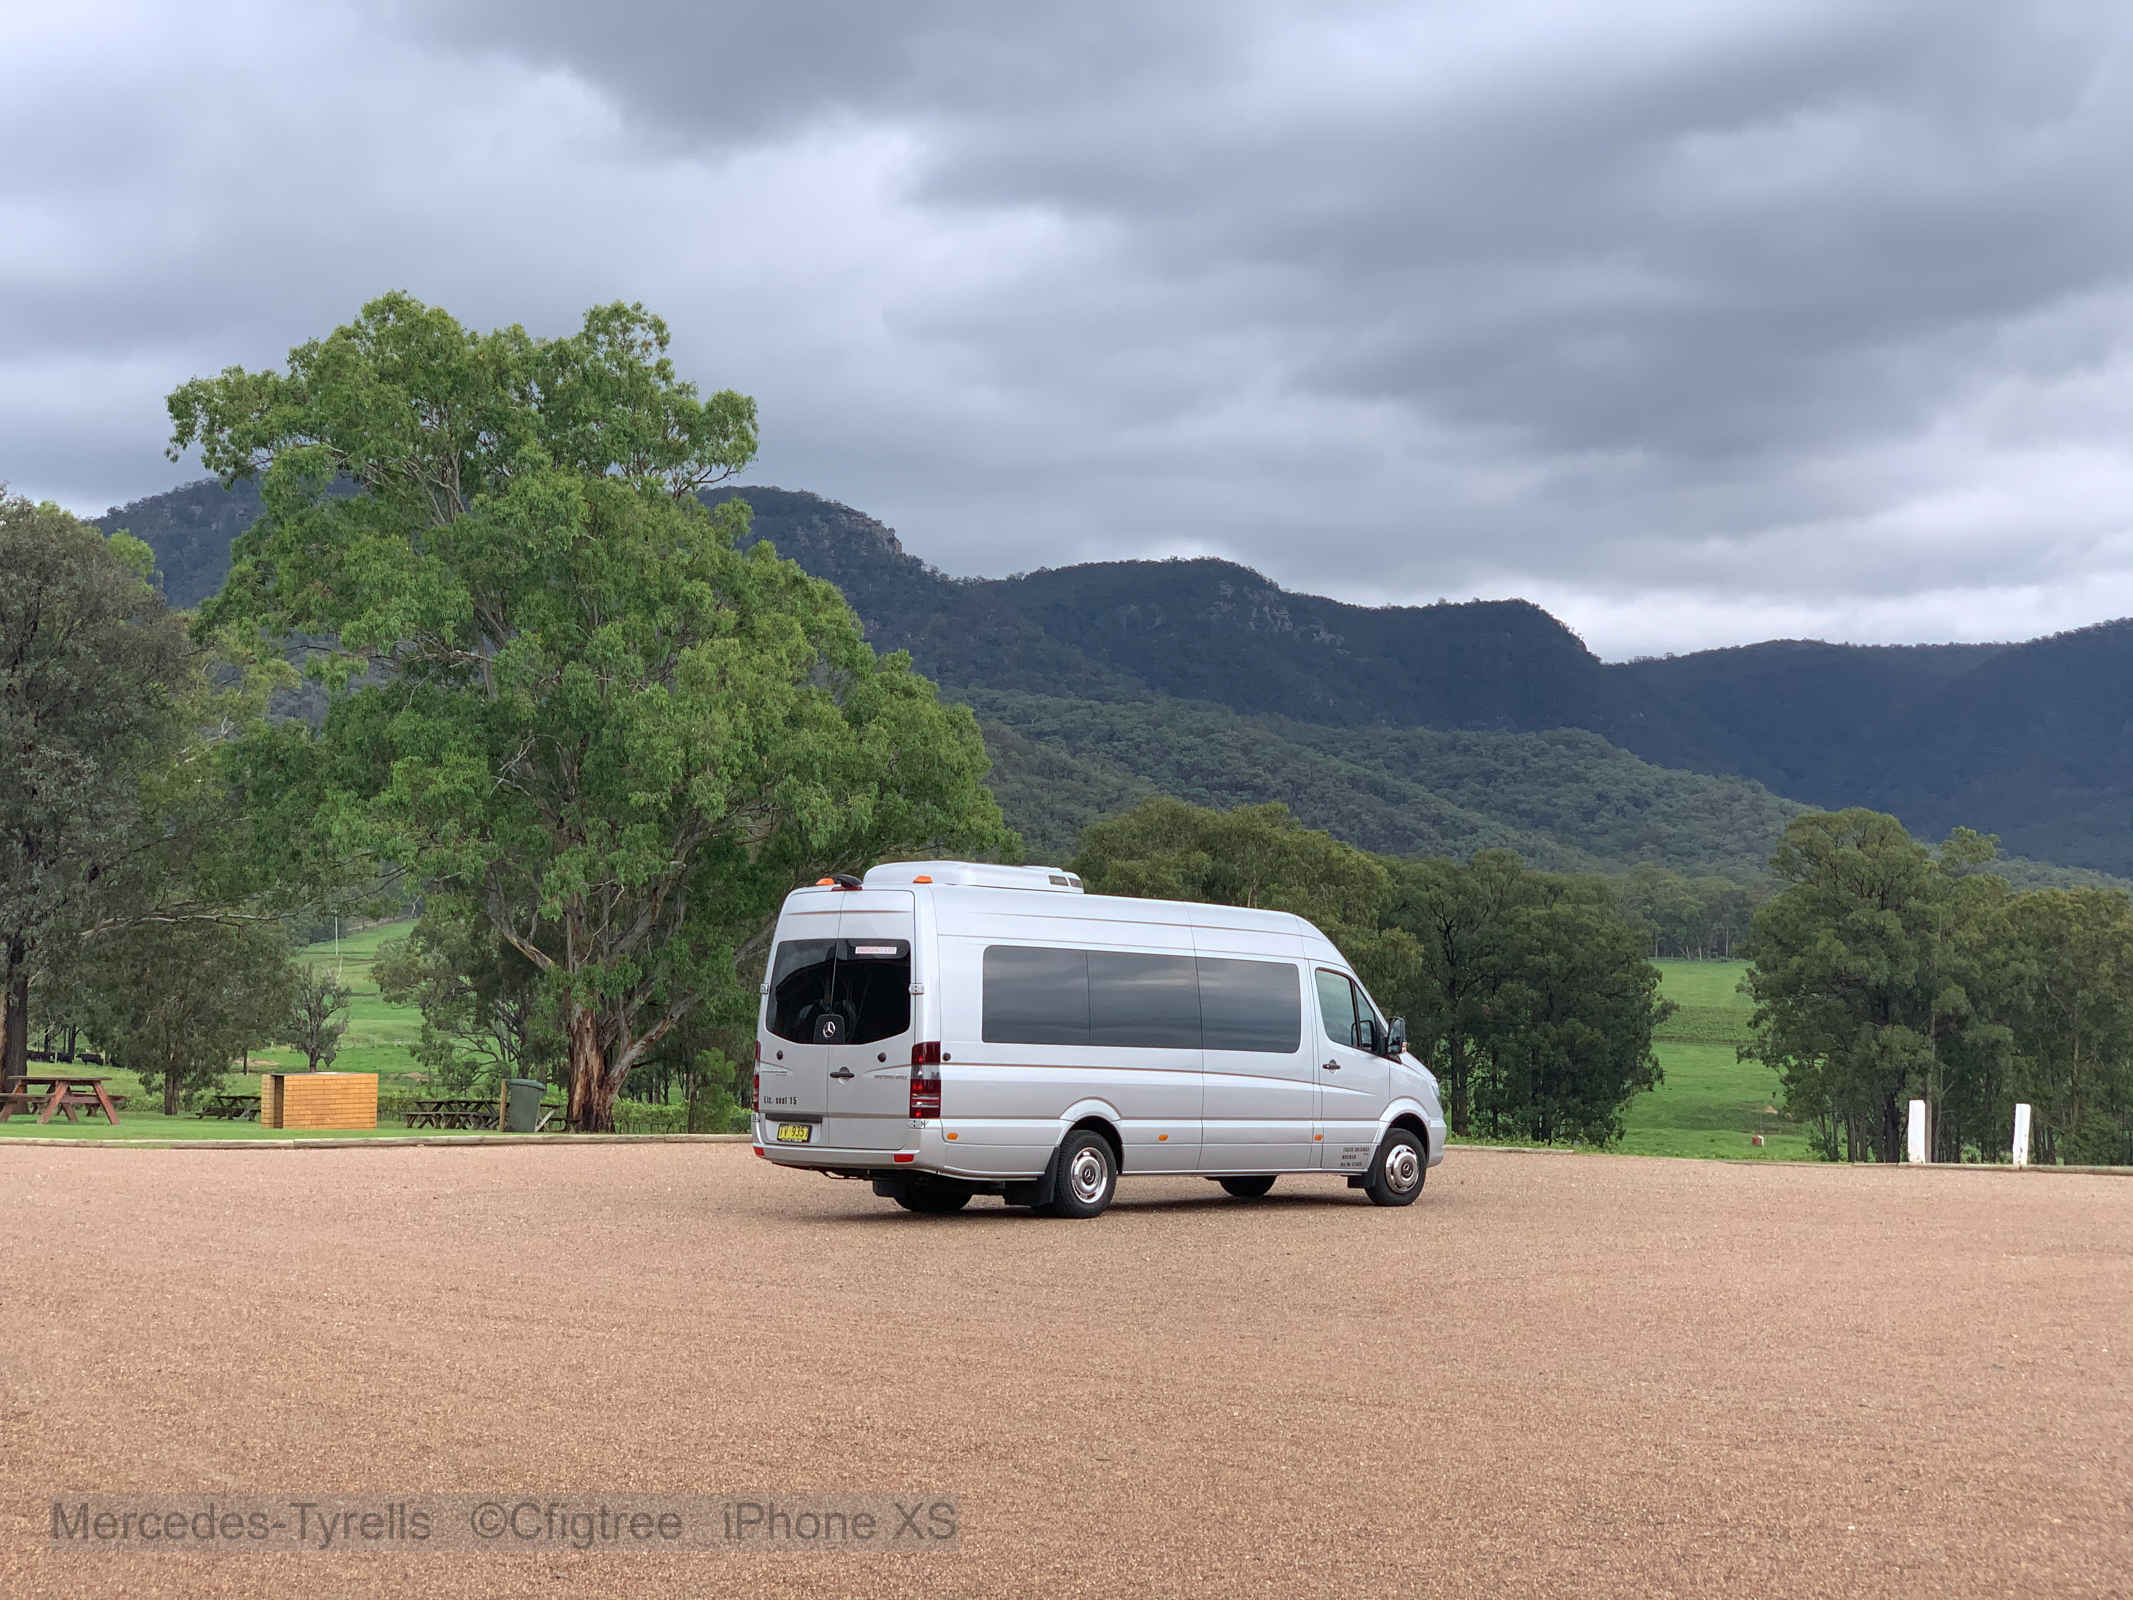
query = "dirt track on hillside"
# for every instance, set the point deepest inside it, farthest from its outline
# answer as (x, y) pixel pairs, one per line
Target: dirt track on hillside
(1555, 1374)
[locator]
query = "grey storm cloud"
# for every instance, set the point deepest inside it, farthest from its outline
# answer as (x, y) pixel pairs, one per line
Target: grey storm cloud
(1693, 322)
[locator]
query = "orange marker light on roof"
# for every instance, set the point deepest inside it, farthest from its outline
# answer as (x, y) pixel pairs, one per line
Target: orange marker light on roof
(825, 883)
(922, 878)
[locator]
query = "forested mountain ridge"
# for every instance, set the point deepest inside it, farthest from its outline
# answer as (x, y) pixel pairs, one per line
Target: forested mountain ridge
(1317, 702)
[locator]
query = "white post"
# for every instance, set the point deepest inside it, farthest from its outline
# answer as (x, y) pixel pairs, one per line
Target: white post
(2021, 1138)
(1917, 1141)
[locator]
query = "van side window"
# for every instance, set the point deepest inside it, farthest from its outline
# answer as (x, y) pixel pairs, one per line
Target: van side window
(1036, 996)
(1143, 1002)
(870, 994)
(1250, 1005)
(1117, 999)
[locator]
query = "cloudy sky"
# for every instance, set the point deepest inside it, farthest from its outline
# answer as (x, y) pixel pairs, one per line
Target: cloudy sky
(1696, 321)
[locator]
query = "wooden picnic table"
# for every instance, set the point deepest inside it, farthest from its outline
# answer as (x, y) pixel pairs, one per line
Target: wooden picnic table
(62, 1091)
(452, 1111)
(231, 1107)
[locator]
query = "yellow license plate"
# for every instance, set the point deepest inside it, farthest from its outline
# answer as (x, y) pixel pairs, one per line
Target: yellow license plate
(795, 1132)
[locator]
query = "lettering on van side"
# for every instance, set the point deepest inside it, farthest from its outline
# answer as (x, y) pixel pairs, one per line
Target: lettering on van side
(770, 1101)
(1354, 1156)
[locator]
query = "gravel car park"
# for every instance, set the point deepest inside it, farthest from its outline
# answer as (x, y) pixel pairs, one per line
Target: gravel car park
(1561, 1374)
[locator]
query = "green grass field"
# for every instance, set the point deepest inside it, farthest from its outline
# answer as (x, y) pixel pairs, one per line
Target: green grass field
(1709, 1105)
(380, 1037)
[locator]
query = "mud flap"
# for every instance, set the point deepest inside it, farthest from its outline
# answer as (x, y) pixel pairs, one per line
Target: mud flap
(1037, 1192)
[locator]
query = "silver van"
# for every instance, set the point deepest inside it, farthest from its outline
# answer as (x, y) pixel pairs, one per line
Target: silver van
(947, 1029)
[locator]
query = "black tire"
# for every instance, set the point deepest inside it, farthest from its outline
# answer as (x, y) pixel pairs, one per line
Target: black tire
(1086, 1176)
(1396, 1173)
(1246, 1188)
(935, 1197)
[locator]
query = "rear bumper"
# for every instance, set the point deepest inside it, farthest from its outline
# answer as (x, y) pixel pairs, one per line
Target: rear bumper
(931, 1148)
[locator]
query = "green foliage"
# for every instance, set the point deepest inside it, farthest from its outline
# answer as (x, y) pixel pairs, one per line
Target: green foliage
(1565, 800)
(1700, 918)
(95, 681)
(1261, 856)
(1887, 971)
(317, 1016)
(483, 1018)
(594, 718)
(177, 1003)
(2066, 959)
(1528, 994)
(1567, 1039)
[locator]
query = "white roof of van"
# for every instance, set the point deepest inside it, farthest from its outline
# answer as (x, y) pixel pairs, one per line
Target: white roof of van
(952, 880)
(972, 874)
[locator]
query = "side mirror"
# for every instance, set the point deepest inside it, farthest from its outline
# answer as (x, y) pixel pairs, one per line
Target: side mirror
(1397, 1041)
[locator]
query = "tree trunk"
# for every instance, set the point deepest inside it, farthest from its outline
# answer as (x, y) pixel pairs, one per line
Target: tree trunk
(15, 1028)
(170, 1091)
(592, 1092)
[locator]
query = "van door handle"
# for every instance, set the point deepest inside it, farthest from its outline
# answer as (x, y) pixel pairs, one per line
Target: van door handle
(1333, 1066)
(842, 1072)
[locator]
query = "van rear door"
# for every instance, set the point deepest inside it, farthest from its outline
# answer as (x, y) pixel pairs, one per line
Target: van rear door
(792, 1068)
(868, 1071)
(837, 1025)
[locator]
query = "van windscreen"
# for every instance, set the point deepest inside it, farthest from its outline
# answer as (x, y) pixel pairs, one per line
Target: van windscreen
(864, 983)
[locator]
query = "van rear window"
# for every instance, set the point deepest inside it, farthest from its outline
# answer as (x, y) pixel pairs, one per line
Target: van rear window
(1115, 999)
(865, 984)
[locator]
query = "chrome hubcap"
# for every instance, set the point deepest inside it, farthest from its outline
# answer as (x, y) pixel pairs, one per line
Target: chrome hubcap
(1403, 1168)
(1086, 1174)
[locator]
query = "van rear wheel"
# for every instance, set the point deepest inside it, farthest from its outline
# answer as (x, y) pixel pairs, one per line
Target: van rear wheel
(1088, 1176)
(935, 1196)
(1246, 1188)
(1395, 1177)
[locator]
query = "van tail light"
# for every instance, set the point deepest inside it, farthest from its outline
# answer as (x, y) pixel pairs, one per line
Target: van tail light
(925, 1081)
(755, 1092)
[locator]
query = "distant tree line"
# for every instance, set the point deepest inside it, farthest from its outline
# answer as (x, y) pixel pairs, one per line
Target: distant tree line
(1702, 918)
(1528, 993)
(1886, 970)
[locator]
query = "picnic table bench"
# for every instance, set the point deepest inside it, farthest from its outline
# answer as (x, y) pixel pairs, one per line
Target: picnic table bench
(464, 1111)
(60, 1092)
(230, 1107)
(452, 1111)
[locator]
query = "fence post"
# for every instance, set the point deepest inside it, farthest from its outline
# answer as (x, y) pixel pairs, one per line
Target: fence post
(1916, 1144)
(2021, 1134)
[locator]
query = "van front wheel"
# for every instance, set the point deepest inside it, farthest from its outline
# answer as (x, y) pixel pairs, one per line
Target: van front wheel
(1088, 1176)
(1395, 1177)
